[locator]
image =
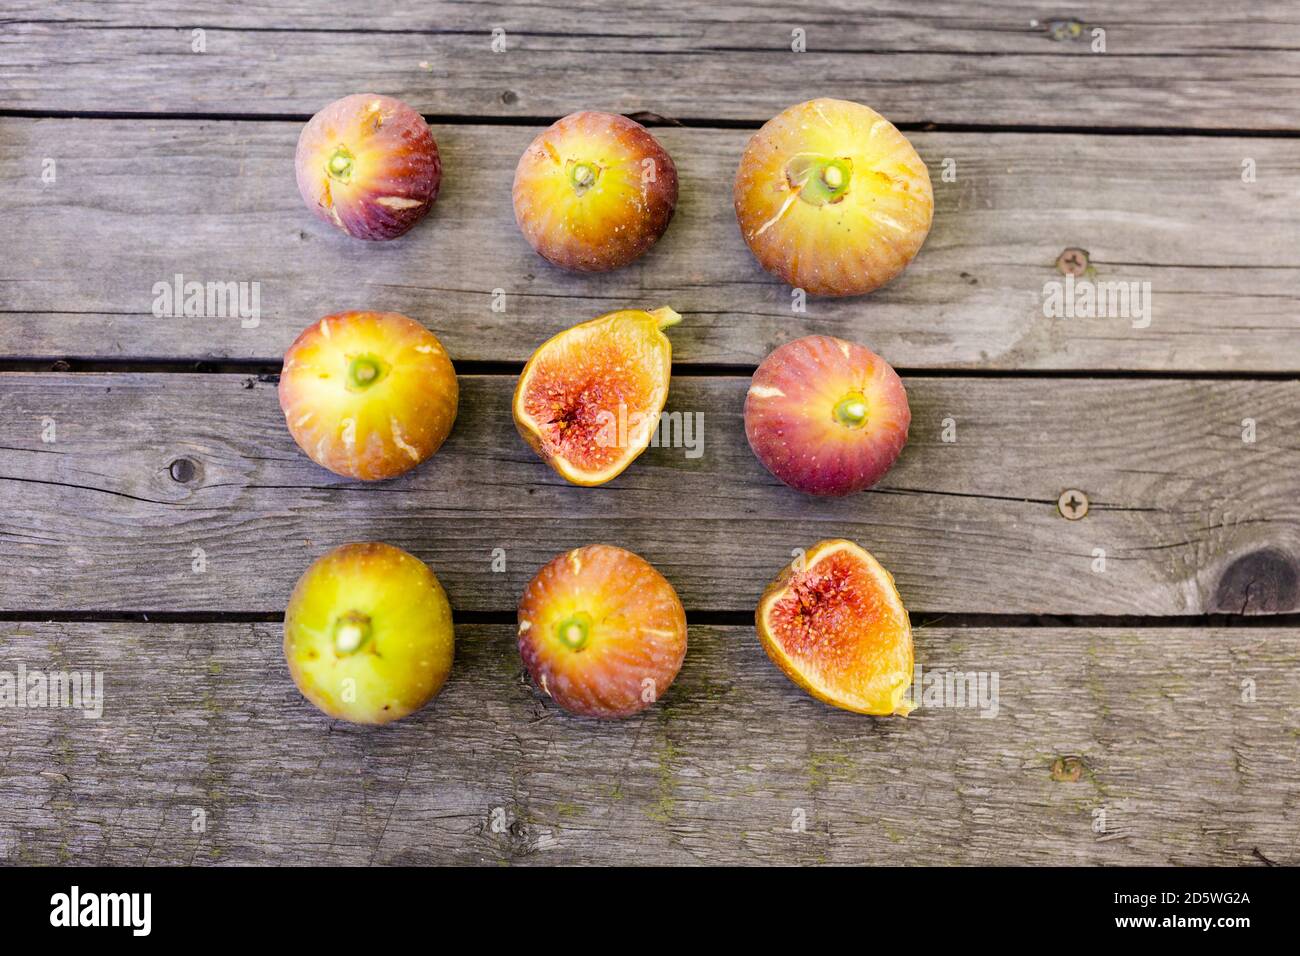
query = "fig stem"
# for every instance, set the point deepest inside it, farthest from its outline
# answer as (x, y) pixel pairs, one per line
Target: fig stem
(583, 176)
(351, 631)
(664, 317)
(364, 371)
(574, 631)
(340, 164)
(819, 180)
(851, 411)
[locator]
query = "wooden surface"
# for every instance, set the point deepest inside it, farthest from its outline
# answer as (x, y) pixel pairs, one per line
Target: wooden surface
(1197, 64)
(1178, 500)
(1149, 707)
(222, 204)
(1111, 746)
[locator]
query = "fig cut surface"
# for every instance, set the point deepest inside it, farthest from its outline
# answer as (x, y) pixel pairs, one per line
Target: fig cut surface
(833, 621)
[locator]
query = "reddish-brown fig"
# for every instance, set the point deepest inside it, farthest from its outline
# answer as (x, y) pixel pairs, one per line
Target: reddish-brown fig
(601, 631)
(826, 416)
(369, 165)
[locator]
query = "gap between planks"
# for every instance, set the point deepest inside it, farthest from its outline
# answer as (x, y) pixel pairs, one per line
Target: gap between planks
(268, 372)
(656, 121)
(919, 618)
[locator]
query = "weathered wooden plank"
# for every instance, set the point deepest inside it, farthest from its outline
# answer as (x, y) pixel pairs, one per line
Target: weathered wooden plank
(1109, 746)
(1191, 518)
(134, 204)
(1195, 64)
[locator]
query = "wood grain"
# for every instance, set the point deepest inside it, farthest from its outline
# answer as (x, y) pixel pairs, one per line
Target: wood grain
(1191, 518)
(1197, 64)
(1109, 746)
(136, 203)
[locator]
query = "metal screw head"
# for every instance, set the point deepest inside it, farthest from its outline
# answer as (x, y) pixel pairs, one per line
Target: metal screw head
(1067, 769)
(1064, 29)
(1073, 262)
(1072, 504)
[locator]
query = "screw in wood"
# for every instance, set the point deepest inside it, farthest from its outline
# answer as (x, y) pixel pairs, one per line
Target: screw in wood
(1067, 769)
(1073, 262)
(1073, 504)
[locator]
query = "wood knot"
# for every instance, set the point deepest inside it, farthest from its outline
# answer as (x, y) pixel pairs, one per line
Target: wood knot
(1261, 582)
(183, 470)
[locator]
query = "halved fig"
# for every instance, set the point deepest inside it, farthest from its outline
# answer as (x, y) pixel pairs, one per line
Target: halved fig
(589, 399)
(601, 631)
(833, 621)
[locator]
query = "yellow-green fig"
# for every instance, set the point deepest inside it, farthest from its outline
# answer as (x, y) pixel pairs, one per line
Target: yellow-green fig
(368, 634)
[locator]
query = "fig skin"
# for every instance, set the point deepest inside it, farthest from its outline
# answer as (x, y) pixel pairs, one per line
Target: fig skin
(368, 634)
(601, 632)
(368, 164)
(834, 623)
(594, 191)
(368, 395)
(832, 198)
(826, 416)
(581, 385)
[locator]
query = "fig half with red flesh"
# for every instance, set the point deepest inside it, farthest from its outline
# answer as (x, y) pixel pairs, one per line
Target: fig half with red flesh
(368, 164)
(589, 399)
(601, 631)
(594, 191)
(834, 623)
(826, 416)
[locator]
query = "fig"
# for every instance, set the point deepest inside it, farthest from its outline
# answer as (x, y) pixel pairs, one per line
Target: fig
(369, 165)
(368, 395)
(589, 399)
(834, 623)
(832, 198)
(601, 631)
(594, 191)
(368, 633)
(826, 416)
